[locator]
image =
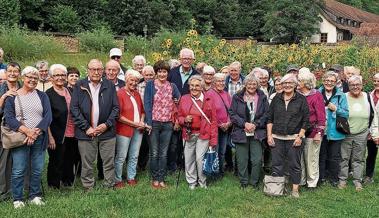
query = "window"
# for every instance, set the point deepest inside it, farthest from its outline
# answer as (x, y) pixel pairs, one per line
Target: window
(324, 38)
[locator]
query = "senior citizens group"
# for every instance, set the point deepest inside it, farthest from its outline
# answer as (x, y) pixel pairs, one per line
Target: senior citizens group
(168, 115)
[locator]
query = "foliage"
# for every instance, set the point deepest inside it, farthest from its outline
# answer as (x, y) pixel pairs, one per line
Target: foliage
(10, 12)
(100, 39)
(64, 19)
(367, 5)
(292, 21)
(20, 44)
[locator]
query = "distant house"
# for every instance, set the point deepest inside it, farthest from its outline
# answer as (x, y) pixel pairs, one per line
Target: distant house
(341, 22)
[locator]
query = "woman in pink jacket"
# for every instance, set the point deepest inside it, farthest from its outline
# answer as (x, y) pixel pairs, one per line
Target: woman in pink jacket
(197, 116)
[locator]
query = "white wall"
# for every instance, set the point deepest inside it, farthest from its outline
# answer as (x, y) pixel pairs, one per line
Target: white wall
(326, 27)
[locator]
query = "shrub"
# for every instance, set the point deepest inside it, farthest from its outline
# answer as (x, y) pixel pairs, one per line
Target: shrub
(64, 19)
(100, 39)
(20, 44)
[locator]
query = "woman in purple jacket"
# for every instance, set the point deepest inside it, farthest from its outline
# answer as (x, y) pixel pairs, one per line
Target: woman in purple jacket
(310, 158)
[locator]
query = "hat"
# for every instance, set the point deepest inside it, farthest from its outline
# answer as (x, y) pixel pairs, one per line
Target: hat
(291, 68)
(336, 68)
(115, 52)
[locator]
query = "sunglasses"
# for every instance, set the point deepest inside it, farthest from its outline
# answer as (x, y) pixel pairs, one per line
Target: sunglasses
(115, 57)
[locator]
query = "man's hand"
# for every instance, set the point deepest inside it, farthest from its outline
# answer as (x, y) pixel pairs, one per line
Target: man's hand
(90, 132)
(100, 129)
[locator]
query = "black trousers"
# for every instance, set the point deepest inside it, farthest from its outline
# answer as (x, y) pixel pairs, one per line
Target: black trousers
(62, 162)
(372, 151)
(330, 158)
(284, 149)
(175, 157)
(143, 156)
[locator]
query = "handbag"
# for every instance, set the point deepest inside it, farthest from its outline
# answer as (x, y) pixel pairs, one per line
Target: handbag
(12, 139)
(211, 165)
(342, 124)
(274, 185)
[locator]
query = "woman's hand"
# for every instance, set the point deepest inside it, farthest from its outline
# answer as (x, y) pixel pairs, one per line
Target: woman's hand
(29, 141)
(176, 126)
(9, 93)
(52, 144)
(332, 107)
(270, 141)
(249, 127)
(188, 119)
(297, 141)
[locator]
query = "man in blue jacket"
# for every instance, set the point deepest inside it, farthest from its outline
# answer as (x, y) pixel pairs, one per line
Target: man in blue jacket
(94, 108)
(180, 76)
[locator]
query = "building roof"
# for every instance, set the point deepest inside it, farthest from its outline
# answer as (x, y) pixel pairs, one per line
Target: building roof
(365, 22)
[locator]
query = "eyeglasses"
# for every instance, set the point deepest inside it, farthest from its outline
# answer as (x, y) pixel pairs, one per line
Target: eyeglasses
(59, 75)
(330, 81)
(32, 77)
(116, 57)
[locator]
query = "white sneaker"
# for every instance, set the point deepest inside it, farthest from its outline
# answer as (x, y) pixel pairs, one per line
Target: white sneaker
(37, 201)
(192, 187)
(18, 204)
(203, 186)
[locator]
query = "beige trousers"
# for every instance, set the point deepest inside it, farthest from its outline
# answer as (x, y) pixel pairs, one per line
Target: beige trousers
(194, 152)
(310, 163)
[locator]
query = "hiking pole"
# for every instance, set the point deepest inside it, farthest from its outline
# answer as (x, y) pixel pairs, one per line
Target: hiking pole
(188, 132)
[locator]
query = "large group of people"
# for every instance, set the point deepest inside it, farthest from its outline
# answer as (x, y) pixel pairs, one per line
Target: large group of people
(166, 116)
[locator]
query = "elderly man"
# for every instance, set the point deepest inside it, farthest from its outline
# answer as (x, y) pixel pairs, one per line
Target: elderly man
(294, 69)
(180, 76)
(138, 62)
(112, 69)
(2, 65)
(116, 54)
(43, 74)
(233, 82)
(94, 108)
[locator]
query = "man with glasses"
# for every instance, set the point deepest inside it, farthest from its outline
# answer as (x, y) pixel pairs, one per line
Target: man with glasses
(95, 127)
(180, 76)
(116, 54)
(43, 74)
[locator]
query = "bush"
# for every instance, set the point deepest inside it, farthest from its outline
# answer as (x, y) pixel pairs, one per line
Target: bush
(64, 19)
(20, 44)
(100, 40)
(10, 12)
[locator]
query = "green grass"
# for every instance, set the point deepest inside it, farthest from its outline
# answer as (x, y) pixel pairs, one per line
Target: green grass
(222, 199)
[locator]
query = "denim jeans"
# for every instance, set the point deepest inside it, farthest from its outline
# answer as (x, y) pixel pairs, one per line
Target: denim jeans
(159, 140)
(221, 148)
(20, 157)
(127, 146)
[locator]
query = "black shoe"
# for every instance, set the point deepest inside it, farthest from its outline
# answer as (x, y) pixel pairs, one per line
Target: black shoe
(243, 186)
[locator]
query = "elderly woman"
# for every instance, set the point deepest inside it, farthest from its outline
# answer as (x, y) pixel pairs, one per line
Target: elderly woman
(62, 143)
(221, 100)
(263, 76)
(353, 148)
(138, 62)
(248, 113)
(129, 129)
(7, 88)
(315, 132)
(225, 70)
(288, 120)
(330, 152)
(278, 88)
(208, 73)
(197, 116)
(160, 101)
(35, 107)
(372, 149)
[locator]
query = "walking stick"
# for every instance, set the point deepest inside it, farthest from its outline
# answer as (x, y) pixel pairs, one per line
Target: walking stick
(188, 131)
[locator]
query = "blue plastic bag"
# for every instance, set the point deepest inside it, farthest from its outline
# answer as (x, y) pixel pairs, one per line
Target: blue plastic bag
(211, 165)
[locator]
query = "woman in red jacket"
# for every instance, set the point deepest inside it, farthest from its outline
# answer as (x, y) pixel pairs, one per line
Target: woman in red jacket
(198, 118)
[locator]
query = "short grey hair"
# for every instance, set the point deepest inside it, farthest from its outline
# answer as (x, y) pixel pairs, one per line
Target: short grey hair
(196, 77)
(209, 69)
(251, 78)
(376, 76)
(1, 51)
(236, 63)
(146, 68)
(132, 73)
(29, 70)
(41, 64)
(187, 50)
(139, 58)
(330, 74)
(352, 69)
(173, 63)
(257, 70)
(308, 78)
(355, 78)
(55, 67)
(289, 76)
(219, 76)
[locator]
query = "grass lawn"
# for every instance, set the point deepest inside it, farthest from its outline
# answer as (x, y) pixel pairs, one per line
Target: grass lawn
(222, 199)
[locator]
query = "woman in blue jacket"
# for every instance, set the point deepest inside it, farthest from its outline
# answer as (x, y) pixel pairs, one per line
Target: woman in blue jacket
(330, 151)
(36, 118)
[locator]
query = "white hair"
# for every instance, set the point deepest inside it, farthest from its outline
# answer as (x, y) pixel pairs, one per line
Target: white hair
(1, 51)
(55, 67)
(29, 70)
(184, 50)
(209, 69)
(147, 68)
(173, 63)
(307, 77)
(41, 64)
(376, 75)
(259, 71)
(196, 77)
(139, 58)
(236, 63)
(219, 76)
(132, 73)
(355, 78)
(330, 74)
(352, 69)
(289, 76)
(251, 78)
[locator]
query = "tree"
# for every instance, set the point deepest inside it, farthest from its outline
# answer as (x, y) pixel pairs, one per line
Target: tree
(292, 20)
(225, 18)
(251, 17)
(32, 14)
(64, 19)
(10, 13)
